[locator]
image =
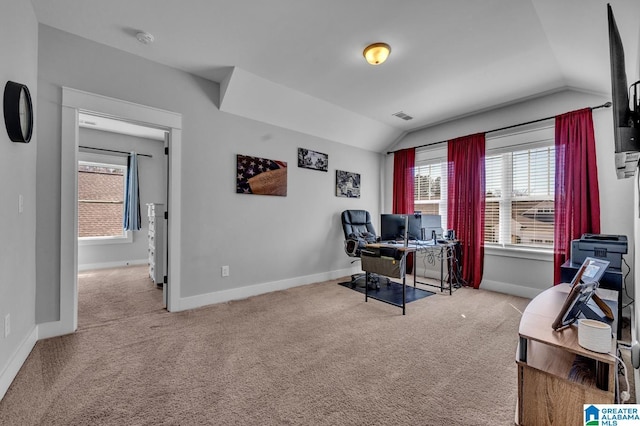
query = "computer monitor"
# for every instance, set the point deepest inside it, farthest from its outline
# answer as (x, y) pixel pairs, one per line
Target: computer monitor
(431, 223)
(392, 227)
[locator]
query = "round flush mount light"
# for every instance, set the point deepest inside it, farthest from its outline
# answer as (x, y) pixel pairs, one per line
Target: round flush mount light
(377, 53)
(144, 37)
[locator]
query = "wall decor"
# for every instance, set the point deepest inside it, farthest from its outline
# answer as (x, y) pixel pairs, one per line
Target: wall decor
(347, 184)
(313, 160)
(18, 112)
(261, 176)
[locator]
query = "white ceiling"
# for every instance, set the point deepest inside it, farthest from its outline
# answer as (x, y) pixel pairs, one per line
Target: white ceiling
(449, 58)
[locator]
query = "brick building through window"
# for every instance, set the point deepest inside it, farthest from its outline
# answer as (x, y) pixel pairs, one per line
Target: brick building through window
(100, 200)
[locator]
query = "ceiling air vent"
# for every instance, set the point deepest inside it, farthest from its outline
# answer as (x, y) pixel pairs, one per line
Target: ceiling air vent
(402, 115)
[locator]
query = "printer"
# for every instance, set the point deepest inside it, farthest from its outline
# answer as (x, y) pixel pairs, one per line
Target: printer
(600, 246)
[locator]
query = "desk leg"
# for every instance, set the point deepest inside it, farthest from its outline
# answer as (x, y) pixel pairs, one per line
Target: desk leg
(404, 293)
(415, 268)
(522, 349)
(441, 269)
(450, 269)
(366, 286)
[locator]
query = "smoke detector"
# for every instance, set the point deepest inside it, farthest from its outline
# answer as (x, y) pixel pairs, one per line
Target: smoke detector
(144, 37)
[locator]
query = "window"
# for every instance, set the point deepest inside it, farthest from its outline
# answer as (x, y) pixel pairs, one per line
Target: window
(430, 176)
(520, 186)
(520, 193)
(101, 200)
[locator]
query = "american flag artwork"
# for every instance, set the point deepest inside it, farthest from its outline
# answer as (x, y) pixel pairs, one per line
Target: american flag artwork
(261, 176)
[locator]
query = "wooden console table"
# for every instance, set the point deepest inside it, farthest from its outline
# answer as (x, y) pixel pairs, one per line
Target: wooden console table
(556, 375)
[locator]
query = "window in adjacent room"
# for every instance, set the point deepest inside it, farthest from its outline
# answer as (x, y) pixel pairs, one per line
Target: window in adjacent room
(101, 200)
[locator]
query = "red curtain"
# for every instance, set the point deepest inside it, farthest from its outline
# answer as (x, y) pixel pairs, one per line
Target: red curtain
(577, 198)
(404, 162)
(466, 202)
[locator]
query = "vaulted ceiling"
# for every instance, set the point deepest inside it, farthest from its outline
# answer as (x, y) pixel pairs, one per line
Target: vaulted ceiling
(299, 63)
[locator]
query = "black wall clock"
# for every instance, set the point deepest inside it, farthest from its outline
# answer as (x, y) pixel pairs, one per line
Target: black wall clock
(18, 112)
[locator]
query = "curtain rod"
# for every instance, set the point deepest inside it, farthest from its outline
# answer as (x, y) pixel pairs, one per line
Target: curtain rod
(113, 150)
(604, 105)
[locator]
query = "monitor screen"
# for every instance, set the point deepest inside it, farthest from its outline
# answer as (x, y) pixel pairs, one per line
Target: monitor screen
(432, 223)
(392, 227)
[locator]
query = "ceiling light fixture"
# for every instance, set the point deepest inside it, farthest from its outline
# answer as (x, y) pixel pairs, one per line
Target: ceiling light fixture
(377, 53)
(144, 37)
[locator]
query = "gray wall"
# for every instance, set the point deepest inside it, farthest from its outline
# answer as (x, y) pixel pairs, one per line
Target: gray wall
(528, 273)
(263, 239)
(18, 50)
(152, 186)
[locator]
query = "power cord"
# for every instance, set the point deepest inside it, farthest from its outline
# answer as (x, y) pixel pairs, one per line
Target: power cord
(624, 282)
(624, 395)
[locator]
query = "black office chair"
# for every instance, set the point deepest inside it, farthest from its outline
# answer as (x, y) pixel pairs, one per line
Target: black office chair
(358, 232)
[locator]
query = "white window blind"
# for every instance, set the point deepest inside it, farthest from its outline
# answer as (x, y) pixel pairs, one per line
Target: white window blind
(520, 175)
(431, 184)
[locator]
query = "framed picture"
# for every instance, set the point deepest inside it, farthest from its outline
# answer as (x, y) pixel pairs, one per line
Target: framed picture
(261, 176)
(347, 184)
(313, 160)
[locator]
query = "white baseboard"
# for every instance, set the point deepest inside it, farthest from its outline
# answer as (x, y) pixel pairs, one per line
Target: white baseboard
(200, 300)
(106, 265)
(10, 371)
(512, 289)
(50, 329)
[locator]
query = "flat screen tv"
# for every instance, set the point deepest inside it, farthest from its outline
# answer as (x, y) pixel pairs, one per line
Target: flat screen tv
(626, 120)
(392, 227)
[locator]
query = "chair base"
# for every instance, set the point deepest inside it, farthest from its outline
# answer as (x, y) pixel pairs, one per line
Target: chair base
(374, 281)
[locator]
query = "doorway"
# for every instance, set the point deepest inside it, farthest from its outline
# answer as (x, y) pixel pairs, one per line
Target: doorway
(103, 243)
(75, 102)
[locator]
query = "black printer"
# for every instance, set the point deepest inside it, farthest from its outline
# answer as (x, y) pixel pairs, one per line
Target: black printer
(601, 246)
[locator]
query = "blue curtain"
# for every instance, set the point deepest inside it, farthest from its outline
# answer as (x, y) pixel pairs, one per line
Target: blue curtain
(132, 195)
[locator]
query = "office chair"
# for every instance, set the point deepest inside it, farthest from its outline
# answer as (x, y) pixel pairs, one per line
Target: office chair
(358, 232)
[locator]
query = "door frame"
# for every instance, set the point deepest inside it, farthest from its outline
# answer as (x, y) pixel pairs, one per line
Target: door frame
(76, 101)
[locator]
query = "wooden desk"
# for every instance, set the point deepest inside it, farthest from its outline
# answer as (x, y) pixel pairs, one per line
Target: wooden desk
(547, 392)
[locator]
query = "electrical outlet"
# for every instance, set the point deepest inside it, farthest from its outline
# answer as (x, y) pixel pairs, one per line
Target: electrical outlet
(7, 325)
(20, 203)
(225, 271)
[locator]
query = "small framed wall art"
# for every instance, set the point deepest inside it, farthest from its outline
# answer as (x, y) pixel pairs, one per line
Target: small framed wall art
(261, 176)
(347, 184)
(313, 160)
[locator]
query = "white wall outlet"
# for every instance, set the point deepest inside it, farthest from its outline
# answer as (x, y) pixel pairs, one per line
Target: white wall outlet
(20, 203)
(225, 271)
(7, 325)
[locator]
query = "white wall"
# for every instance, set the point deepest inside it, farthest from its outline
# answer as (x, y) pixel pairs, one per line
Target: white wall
(263, 239)
(526, 274)
(152, 186)
(18, 50)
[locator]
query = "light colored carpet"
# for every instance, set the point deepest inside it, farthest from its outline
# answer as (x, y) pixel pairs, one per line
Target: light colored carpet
(311, 355)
